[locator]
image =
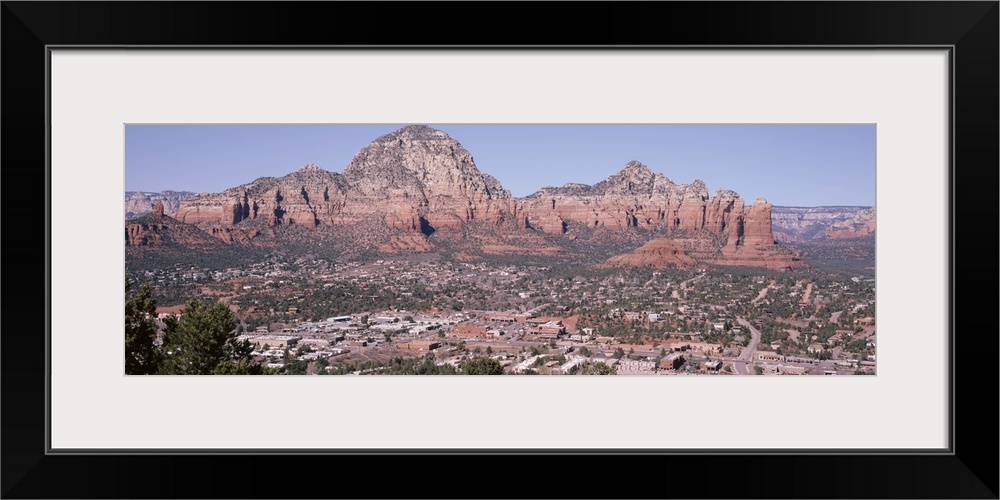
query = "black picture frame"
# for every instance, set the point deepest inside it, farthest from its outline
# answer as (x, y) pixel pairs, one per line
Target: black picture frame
(969, 28)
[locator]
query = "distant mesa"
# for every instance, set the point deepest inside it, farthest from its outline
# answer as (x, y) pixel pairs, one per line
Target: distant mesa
(139, 203)
(860, 225)
(810, 224)
(416, 189)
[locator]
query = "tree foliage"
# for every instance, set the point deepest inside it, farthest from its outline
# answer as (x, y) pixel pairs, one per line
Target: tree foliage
(142, 357)
(297, 367)
(599, 368)
(204, 342)
(396, 366)
(482, 366)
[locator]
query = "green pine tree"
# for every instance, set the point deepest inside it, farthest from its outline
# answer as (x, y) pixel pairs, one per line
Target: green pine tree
(482, 366)
(204, 342)
(142, 357)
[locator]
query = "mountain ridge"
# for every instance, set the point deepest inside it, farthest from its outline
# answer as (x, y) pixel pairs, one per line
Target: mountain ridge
(425, 189)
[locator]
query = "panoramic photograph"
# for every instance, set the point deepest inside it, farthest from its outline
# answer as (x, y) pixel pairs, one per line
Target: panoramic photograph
(466, 249)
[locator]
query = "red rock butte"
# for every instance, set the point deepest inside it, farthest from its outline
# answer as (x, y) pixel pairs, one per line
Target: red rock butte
(659, 253)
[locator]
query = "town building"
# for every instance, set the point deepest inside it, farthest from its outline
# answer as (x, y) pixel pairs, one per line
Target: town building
(791, 370)
(635, 367)
(500, 317)
(769, 356)
(469, 331)
(276, 340)
(866, 321)
(549, 330)
(420, 345)
(672, 361)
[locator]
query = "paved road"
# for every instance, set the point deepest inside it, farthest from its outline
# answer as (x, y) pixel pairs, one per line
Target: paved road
(742, 363)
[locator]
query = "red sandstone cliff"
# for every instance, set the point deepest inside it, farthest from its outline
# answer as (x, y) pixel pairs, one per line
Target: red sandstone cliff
(156, 229)
(416, 179)
(638, 198)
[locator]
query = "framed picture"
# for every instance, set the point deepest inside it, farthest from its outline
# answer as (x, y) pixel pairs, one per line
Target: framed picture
(922, 76)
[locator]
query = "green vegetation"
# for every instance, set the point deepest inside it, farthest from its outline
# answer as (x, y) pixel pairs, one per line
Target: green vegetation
(395, 366)
(204, 342)
(845, 257)
(149, 259)
(297, 367)
(141, 354)
(599, 368)
(482, 366)
(637, 306)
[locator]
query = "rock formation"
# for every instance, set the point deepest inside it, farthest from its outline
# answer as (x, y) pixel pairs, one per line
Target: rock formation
(659, 253)
(305, 197)
(637, 198)
(405, 243)
(751, 241)
(424, 180)
(416, 179)
(416, 186)
(156, 229)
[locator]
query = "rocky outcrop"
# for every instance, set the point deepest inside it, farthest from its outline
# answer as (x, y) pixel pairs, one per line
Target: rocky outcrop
(406, 243)
(637, 198)
(425, 180)
(659, 253)
(155, 229)
(751, 241)
(306, 197)
(142, 234)
(139, 203)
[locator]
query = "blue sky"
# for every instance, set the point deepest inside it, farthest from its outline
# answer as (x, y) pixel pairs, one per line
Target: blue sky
(789, 165)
